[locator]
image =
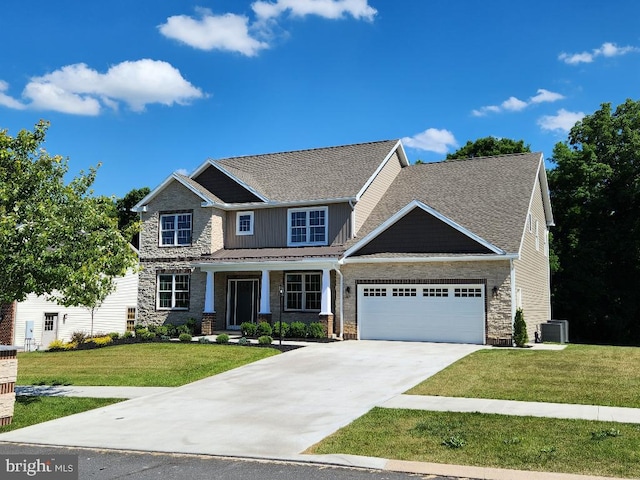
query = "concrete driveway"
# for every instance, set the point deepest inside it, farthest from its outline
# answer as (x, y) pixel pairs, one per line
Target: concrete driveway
(276, 407)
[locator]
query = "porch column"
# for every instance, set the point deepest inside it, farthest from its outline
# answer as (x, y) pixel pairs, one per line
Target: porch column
(264, 314)
(326, 315)
(209, 315)
(209, 306)
(325, 302)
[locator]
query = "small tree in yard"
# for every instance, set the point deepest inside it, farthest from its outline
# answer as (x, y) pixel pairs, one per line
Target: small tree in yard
(520, 336)
(56, 239)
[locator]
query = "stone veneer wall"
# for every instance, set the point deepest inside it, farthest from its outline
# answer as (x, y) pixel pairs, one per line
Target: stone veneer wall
(499, 324)
(8, 375)
(207, 237)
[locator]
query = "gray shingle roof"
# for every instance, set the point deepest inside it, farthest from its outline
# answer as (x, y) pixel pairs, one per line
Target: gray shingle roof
(487, 195)
(317, 174)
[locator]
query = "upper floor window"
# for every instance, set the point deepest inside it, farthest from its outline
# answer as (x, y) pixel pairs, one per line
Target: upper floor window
(175, 229)
(173, 291)
(537, 235)
(307, 226)
(244, 223)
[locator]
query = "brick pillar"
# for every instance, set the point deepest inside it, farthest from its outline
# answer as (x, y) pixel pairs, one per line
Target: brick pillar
(208, 323)
(327, 323)
(7, 323)
(265, 317)
(8, 374)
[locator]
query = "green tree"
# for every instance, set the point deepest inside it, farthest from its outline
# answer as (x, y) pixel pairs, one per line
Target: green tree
(595, 191)
(55, 238)
(520, 336)
(488, 146)
(126, 218)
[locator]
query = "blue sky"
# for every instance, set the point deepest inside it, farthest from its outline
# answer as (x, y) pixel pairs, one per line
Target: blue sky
(148, 87)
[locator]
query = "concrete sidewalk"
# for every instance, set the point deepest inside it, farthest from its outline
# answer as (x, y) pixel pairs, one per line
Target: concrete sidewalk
(510, 407)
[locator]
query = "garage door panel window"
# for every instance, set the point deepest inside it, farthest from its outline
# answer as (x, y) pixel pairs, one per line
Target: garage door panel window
(375, 292)
(303, 292)
(404, 292)
(435, 292)
(468, 292)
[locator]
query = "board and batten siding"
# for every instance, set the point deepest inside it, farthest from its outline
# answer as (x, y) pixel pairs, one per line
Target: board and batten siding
(270, 227)
(376, 190)
(111, 316)
(532, 269)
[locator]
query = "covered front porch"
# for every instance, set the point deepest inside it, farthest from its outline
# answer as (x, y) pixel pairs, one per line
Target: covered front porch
(288, 291)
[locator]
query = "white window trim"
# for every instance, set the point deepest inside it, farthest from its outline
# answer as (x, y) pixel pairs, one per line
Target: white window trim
(537, 236)
(530, 222)
(173, 292)
(176, 230)
(308, 227)
(248, 232)
(303, 292)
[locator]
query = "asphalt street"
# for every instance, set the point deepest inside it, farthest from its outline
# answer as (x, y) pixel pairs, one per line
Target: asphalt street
(111, 465)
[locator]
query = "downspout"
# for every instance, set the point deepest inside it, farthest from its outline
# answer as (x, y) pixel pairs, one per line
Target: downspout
(341, 308)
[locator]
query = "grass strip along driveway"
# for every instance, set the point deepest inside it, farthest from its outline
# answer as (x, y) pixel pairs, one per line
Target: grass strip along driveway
(580, 374)
(136, 365)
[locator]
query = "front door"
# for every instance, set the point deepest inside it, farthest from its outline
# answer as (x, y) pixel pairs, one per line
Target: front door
(242, 302)
(49, 329)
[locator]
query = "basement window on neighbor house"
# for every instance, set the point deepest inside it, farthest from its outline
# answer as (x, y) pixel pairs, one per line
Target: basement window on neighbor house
(307, 226)
(175, 229)
(303, 291)
(244, 223)
(173, 291)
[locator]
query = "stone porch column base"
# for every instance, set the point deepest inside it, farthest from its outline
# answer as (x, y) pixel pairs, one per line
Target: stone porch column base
(265, 317)
(208, 323)
(327, 322)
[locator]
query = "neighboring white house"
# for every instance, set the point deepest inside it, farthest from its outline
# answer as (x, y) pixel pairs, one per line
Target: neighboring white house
(39, 321)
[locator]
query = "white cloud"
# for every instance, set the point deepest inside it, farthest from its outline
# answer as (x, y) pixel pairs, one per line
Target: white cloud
(563, 120)
(432, 140)
(228, 32)
(514, 104)
(6, 100)
(80, 90)
(607, 49)
(330, 9)
(545, 96)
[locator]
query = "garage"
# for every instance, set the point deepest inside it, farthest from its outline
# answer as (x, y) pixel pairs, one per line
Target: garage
(422, 312)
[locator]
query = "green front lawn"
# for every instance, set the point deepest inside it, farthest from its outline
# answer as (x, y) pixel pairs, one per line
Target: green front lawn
(522, 443)
(142, 364)
(32, 410)
(583, 374)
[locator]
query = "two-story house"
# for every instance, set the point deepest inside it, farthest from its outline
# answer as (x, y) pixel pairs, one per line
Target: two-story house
(355, 237)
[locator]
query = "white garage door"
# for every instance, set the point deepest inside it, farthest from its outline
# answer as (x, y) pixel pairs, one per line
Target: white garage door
(426, 313)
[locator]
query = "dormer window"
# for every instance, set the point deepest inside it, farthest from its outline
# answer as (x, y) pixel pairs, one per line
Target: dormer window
(175, 229)
(307, 226)
(244, 223)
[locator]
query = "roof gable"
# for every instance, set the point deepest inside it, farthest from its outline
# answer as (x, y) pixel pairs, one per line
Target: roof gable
(488, 196)
(417, 228)
(206, 196)
(226, 187)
